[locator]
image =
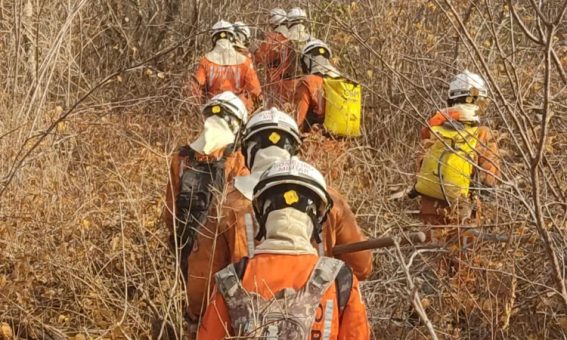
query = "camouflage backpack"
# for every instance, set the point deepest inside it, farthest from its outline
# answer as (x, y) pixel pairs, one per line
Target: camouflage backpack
(290, 314)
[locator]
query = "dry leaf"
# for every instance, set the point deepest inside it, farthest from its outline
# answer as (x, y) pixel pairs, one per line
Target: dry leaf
(5, 331)
(62, 319)
(86, 224)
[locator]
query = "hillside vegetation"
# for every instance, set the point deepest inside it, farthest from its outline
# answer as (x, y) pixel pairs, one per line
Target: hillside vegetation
(92, 107)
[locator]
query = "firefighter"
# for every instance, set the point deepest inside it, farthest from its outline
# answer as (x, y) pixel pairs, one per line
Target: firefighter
(471, 161)
(326, 98)
(275, 55)
(211, 156)
(225, 69)
(286, 290)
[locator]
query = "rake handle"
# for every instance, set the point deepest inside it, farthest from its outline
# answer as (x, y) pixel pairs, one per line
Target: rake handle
(376, 243)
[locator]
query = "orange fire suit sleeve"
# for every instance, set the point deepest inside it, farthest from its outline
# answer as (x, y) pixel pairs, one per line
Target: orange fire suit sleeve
(198, 82)
(252, 85)
(263, 54)
(488, 157)
(208, 257)
(303, 101)
(354, 324)
(438, 119)
(216, 322)
(236, 166)
(344, 229)
(270, 53)
(309, 99)
(233, 227)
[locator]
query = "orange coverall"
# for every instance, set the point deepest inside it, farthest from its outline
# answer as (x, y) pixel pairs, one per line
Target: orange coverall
(267, 274)
(211, 79)
(310, 101)
(276, 55)
(436, 212)
(229, 243)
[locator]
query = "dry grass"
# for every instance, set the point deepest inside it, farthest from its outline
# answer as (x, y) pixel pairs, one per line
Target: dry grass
(82, 247)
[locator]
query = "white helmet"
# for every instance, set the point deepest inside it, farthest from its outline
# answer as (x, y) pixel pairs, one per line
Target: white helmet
(273, 119)
(278, 17)
(296, 15)
(222, 30)
(292, 183)
(312, 49)
(270, 128)
(464, 82)
(228, 105)
(242, 32)
(317, 46)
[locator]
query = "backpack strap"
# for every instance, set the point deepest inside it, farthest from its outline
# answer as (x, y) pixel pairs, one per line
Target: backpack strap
(228, 150)
(227, 282)
(323, 275)
(240, 267)
(329, 269)
(237, 299)
(250, 235)
(343, 282)
(185, 151)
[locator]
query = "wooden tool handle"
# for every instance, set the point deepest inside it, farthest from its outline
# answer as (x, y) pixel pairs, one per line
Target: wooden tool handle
(375, 243)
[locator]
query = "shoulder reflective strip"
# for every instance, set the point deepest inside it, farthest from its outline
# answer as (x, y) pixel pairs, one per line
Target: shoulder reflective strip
(329, 306)
(321, 249)
(249, 234)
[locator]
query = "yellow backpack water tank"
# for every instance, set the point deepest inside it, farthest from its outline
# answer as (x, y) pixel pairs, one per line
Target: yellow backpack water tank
(448, 165)
(343, 106)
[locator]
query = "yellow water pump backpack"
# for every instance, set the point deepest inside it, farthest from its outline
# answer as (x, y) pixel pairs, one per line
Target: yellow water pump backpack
(343, 106)
(447, 167)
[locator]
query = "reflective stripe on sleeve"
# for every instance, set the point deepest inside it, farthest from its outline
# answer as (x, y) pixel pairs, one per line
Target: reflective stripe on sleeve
(249, 234)
(329, 306)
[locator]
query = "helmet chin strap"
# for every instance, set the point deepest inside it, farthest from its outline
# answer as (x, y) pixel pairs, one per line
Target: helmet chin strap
(317, 229)
(307, 68)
